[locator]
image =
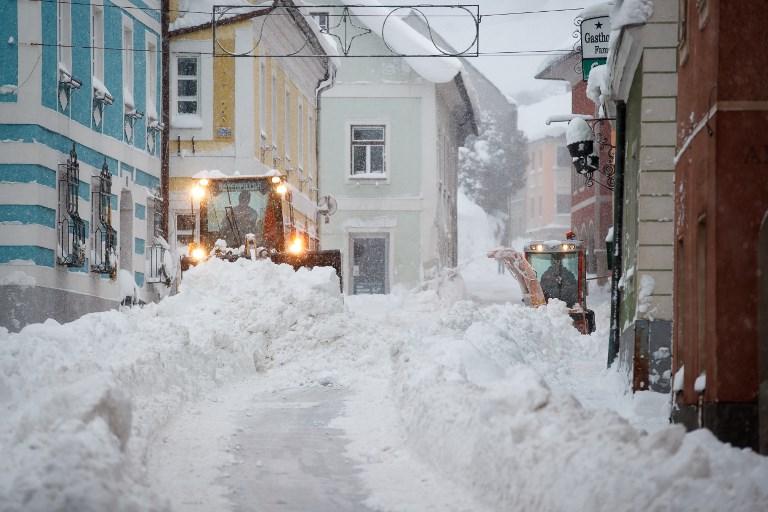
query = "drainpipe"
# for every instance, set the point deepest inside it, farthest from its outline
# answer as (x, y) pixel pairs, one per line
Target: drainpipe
(618, 215)
(323, 84)
(165, 84)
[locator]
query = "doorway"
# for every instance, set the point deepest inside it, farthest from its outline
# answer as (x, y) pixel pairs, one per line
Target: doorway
(762, 333)
(370, 263)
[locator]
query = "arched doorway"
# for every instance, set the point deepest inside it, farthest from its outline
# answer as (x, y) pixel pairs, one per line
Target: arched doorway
(762, 332)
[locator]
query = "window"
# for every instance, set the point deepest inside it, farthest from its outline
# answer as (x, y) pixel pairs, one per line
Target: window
(274, 112)
(322, 20)
(97, 42)
(187, 80)
(65, 36)
(263, 99)
(72, 237)
(300, 135)
(368, 150)
(151, 81)
(128, 66)
(287, 125)
(103, 254)
(701, 294)
(185, 229)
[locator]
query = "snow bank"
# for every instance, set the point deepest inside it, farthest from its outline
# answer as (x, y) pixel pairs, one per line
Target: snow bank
(481, 406)
(81, 400)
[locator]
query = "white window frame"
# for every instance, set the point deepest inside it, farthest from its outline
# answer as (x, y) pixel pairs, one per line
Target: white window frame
(199, 125)
(97, 42)
(128, 62)
(318, 17)
(64, 35)
(197, 79)
(382, 176)
(151, 74)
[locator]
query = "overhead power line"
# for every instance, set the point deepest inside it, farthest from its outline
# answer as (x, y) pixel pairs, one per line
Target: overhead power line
(190, 11)
(492, 53)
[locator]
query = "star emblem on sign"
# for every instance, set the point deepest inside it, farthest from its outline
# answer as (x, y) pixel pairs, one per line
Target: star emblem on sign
(599, 24)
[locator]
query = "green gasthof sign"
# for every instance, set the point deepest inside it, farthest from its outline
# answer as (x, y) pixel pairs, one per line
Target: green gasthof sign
(595, 34)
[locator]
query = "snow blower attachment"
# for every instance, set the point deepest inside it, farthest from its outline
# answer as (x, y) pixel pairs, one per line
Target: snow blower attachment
(254, 217)
(552, 270)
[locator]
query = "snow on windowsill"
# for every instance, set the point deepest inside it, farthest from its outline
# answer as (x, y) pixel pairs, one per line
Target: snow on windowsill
(100, 90)
(369, 176)
(8, 89)
(130, 105)
(700, 385)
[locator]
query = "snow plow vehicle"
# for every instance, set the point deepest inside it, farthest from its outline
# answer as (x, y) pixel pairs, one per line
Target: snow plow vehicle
(554, 269)
(254, 217)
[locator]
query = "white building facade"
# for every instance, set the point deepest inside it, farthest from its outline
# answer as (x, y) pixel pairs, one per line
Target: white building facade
(390, 129)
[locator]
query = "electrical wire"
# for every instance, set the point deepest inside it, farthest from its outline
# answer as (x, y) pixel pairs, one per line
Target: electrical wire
(498, 53)
(189, 11)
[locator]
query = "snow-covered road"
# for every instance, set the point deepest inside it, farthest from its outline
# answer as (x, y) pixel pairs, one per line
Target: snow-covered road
(261, 387)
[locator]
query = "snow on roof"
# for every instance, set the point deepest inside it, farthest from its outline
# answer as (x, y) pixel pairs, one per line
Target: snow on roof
(217, 174)
(192, 13)
(600, 9)
(630, 12)
(404, 39)
(531, 119)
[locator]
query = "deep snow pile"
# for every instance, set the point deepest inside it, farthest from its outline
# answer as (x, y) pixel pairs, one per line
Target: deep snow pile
(80, 401)
(480, 401)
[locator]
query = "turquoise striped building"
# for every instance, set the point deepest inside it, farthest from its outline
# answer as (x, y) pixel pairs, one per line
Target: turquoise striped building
(80, 95)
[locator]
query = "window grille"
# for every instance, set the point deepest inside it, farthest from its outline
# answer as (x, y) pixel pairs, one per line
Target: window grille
(103, 256)
(71, 228)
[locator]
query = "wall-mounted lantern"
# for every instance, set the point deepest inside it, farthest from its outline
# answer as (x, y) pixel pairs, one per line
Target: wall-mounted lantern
(580, 140)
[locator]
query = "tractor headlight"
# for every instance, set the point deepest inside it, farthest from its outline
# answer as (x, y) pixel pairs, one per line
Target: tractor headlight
(198, 192)
(198, 254)
(276, 180)
(296, 246)
(203, 182)
(281, 189)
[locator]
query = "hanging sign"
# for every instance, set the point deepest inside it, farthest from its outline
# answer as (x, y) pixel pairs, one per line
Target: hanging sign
(595, 34)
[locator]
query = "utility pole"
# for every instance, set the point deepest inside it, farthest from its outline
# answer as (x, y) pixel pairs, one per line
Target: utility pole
(164, 154)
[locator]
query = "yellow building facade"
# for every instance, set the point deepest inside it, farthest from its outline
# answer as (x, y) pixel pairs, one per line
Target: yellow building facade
(247, 115)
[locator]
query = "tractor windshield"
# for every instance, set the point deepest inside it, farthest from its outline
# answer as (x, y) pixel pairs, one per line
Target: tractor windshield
(236, 208)
(557, 273)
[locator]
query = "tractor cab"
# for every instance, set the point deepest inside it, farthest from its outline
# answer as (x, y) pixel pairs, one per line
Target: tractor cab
(560, 269)
(552, 270)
